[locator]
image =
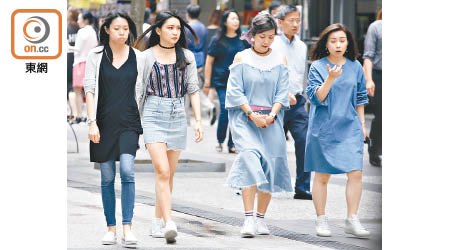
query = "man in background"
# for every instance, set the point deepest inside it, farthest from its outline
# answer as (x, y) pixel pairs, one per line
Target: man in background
(372, 72)
(296, 118)
(193, 12)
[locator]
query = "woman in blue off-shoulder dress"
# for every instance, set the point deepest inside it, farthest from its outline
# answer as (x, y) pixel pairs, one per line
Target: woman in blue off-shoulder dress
(257, 94)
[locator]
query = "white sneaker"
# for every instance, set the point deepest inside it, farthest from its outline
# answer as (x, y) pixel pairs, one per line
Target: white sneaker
(129, 240)
(109, 238)
(157, 228)
(170, 231)
(261, 227)
(353, 226)
(322, 228)
(249, 228)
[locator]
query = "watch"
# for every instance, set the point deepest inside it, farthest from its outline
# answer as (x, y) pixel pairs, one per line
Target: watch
(273, 115)
(89, 120)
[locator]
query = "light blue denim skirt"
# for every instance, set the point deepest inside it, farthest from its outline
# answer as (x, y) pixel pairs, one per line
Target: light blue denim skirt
(164, 120)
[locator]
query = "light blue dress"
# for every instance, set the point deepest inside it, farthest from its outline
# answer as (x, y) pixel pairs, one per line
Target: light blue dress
(334, 141)
(258, 81)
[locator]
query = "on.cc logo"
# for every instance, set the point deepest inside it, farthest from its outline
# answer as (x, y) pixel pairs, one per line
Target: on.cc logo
(36, 34)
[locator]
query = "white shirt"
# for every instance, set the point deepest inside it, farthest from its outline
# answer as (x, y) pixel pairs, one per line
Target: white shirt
(295, 52)
(86, 40)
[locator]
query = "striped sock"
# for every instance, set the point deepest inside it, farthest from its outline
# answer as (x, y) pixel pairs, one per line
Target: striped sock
(249, 213)
(259, 215)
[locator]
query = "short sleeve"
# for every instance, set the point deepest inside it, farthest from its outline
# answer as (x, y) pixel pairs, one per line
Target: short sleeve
(315, 80)
(282, 90)
(213, 47)
(235, 96)
(192, 77)
(361, 93)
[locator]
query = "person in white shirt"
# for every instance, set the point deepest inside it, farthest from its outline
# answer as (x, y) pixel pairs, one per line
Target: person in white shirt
(296, 118)
(85, 41)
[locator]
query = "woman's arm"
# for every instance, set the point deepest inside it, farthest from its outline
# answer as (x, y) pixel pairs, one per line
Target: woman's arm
(195, 102)
(360, 111)
(208, 71)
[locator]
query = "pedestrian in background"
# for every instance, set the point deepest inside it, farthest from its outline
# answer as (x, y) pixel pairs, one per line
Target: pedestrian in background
(86, 40)
(256, 94)
(193, 12)
(214, 24)
(170, 73)
(72, 29)
(335, 139)
(221, 51)
(373, 73)
(113, 72)
(296, 118)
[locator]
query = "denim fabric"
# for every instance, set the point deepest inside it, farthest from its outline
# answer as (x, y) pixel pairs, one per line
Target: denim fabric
(222, 125)
(164, 120)
(335, 139)
(262, 159)
(108, 175)
(296, 121)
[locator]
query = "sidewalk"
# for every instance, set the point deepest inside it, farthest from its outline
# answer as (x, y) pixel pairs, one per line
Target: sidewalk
(208, 213)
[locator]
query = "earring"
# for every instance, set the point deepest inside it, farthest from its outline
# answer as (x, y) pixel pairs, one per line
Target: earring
(326, 51)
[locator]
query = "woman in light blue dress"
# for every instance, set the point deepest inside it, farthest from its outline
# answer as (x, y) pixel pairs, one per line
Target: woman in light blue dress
(258, 80)
(336, 131)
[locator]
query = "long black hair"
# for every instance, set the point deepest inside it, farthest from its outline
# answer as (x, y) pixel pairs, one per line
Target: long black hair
(104, 37)
(221, 33)
(142, 43)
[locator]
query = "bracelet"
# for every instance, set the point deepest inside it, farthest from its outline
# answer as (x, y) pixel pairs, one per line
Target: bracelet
(198, 120)
(206, 87)
(249, 112)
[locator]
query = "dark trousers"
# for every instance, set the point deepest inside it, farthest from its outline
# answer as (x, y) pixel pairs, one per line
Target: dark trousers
(375, 130)
(222, 125)
(296, 121)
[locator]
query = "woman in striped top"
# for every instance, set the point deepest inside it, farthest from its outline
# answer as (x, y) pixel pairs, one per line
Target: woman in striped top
(170, 73)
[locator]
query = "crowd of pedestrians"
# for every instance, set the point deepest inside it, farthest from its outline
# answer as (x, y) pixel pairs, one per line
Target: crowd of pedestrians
(137, 85)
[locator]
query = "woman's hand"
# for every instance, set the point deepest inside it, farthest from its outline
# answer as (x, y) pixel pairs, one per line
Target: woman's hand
(292, 99)
(198, 128)
(259, 120)
(269, 120)
(334, 72)
(94, 133)
(364, 132)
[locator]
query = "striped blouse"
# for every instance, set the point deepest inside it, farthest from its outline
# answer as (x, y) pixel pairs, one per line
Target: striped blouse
(167, 81)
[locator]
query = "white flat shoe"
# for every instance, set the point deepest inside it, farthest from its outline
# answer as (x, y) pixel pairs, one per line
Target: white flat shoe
(322, 228)
(170, 232)
(129, 240)
(157, 228)
(354, 227)
(109, 238)
(261, 227)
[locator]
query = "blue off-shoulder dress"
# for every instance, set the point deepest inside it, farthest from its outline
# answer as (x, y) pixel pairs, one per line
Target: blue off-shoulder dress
(258, 81)
(334, 141)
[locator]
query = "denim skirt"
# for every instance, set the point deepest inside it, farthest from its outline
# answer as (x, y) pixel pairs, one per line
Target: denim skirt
(164, 120)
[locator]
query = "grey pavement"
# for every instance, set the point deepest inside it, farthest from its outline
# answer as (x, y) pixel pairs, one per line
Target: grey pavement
(207, 212)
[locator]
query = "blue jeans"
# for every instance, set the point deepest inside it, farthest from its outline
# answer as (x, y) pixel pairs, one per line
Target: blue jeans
(222, 125)
(108, 173)
(296, 121)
